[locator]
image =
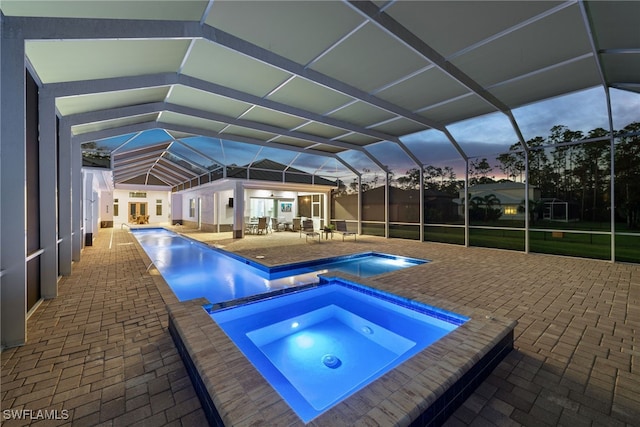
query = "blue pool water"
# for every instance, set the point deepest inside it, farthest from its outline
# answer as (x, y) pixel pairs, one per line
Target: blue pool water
(195, 270)
(318, 346)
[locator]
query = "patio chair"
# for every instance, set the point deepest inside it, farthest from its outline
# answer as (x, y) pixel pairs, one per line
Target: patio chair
(262, 225)
(307, 229)
(341, 227)
(274, 225)
(295, 224)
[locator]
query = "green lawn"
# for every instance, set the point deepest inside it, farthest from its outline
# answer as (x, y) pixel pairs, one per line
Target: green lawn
(581, 244)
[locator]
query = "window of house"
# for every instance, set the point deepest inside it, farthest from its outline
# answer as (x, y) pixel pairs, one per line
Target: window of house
(159, 207)
(510, 210)
(138, 194)
(116, 211)
(192, 208)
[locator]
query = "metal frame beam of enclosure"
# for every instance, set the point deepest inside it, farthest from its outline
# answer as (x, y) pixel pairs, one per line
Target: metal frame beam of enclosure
(134, 128)
(72, 28)
(612, 145)
(402, 34)
(198, 152)
(159, 107)
(77, 88)
(140, 153)
(406, 37)
(107, 85)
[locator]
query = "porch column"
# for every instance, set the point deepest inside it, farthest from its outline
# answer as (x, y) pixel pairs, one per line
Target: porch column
(359, 204)
(90, 202)
(327, 208)
(48, 203)
(76, 202)
(64, 200)
(386, 204)
(13, 184)
(238, 210)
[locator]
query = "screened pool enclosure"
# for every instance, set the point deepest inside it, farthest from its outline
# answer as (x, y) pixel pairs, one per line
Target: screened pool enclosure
(510, 125)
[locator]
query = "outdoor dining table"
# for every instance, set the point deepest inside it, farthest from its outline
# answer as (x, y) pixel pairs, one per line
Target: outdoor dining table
(252, 226)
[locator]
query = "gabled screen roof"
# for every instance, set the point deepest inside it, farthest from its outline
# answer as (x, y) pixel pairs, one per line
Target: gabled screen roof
(213, 83)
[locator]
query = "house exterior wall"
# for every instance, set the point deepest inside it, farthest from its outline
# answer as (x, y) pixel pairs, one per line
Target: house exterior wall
(91, 206)
(511, 196)
(106, 209)
(122, 195)
(215, 212)
(217, 215)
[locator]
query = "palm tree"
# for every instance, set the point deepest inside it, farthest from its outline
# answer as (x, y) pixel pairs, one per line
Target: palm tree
(486, 203)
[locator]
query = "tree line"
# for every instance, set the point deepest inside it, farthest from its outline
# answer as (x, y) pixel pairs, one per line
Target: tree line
(567, 165)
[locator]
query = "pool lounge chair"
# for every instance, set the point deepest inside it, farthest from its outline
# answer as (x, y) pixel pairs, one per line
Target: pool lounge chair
(341, 227)
(307, 229)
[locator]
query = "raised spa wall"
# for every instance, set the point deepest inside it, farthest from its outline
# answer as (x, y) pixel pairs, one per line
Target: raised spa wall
(425, 390)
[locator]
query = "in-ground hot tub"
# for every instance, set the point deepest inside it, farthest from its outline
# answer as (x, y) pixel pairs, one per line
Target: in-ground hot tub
(319, 345)
(421, 389)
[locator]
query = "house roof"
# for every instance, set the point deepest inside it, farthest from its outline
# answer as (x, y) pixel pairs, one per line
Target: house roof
(505, 199)
(320, 80)
(497, 186)
(269, 170)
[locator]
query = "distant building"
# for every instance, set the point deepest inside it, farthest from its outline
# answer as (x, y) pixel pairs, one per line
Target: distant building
(511, 196)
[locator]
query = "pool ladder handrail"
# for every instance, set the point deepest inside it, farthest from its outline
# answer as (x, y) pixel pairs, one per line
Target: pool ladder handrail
(123, 224)
(154, 263)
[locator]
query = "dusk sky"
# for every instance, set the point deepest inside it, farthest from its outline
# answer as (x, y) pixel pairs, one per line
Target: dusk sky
(485, 136)
(492, 134)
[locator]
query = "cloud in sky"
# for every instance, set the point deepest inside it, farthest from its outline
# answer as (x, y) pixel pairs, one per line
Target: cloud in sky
(579, 111)
(492, 134)
(625, 107)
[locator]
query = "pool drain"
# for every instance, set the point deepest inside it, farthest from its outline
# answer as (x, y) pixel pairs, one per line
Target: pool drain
(331, 361)
(367, 330)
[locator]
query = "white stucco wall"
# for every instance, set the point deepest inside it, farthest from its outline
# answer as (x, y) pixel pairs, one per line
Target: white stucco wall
(214, 214)
(153, 194)
(106, 206)
(91, 204)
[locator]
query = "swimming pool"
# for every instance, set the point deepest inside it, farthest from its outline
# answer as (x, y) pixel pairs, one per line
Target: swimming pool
(422, 389)
(193, 269)
(318, 346)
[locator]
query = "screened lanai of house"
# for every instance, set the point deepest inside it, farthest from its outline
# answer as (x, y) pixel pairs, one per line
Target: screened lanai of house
(392, 97)
(499, 124)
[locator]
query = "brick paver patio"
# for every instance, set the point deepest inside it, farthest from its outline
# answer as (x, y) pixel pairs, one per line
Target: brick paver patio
(101, 351)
